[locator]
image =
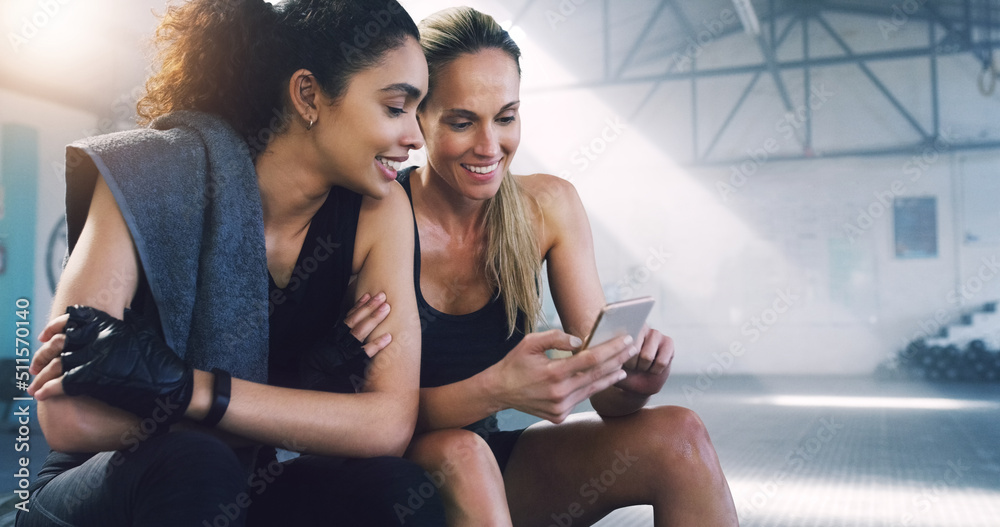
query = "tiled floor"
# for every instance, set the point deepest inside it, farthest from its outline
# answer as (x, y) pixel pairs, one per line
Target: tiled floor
(803, 452)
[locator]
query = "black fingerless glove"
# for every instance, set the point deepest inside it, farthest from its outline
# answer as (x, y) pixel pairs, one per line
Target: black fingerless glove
(124, 364)
(336, 363)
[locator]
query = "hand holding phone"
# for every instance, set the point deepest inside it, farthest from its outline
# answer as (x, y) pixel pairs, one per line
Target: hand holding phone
(648, 371)
(618, 319)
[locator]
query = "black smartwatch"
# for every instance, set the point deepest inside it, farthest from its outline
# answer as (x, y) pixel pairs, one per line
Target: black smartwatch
(221, 390)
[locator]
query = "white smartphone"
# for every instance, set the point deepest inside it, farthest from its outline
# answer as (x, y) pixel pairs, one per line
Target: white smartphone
(619, 319)
(615, 319)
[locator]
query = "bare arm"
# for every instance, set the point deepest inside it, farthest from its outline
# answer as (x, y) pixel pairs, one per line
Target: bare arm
(102, 272)
(568, 247)
(456, 405)
(527, 380)
(377, 422)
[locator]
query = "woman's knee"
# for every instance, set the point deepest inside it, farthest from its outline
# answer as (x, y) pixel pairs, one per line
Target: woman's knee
(680, 439)
(683, 421)
(450, 451)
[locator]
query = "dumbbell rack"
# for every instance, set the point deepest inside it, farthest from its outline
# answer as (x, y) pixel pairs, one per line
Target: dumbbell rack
(968, 350)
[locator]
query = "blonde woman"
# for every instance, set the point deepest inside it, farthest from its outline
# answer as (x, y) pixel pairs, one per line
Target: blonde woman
(482, 235)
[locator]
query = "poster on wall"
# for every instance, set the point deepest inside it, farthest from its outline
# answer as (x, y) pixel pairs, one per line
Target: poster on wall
(915, 227)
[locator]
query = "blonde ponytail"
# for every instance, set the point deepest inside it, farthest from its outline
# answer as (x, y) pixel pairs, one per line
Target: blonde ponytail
(512, 260)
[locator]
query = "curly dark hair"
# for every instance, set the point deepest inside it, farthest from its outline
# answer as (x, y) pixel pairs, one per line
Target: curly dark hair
(233, 58)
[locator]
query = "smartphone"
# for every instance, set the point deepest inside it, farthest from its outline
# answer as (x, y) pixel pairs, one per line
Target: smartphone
(615, 320)
(618, 319)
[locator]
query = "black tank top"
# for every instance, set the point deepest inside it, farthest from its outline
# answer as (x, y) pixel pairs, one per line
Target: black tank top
(456, 347)
(300, 313)
(313, 300)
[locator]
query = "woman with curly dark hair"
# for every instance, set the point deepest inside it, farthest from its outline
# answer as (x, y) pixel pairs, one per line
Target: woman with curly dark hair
(213, 251)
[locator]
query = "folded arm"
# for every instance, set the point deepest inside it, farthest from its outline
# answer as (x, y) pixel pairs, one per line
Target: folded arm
(380, 419)
(102, 272)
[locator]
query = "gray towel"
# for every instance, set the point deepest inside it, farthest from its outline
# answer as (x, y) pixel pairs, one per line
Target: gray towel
(188, 191)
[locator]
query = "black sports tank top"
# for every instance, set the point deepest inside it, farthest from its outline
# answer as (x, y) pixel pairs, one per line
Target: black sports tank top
(312, 302)
(456, 347)
(300, 313)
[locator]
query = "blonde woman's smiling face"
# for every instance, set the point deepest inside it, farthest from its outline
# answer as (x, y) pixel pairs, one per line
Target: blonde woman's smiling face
(471, 124)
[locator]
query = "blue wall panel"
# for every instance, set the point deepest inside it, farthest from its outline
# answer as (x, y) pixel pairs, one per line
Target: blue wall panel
(19, 178)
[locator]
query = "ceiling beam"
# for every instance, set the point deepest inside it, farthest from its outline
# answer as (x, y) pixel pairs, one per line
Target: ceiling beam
(745, 94)
(906, 150)
(641, 38)
(685, 23)
(872, 77)
(749, 69)
(923, 14)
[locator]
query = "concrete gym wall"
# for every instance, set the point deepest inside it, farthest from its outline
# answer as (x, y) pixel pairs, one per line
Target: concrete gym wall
(791, 265)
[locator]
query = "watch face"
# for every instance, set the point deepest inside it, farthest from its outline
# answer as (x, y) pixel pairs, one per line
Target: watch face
(56, 253)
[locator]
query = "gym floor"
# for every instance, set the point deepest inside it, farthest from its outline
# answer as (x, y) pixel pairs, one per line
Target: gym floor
(830, 451)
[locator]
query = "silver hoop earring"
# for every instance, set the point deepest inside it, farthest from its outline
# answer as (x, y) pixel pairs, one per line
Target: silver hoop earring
(310, 125)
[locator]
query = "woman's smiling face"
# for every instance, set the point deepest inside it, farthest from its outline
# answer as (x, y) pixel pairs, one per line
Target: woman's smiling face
(366, 135)
(471, 123)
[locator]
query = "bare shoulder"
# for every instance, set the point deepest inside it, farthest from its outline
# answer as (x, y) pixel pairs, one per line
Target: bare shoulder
(386, 221)
(556, 206)
(390, 208)
(556, 199)
(546, 187)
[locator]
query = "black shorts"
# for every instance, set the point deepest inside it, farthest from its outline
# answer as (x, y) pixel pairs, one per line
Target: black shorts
(501, 442)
